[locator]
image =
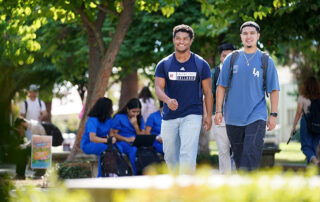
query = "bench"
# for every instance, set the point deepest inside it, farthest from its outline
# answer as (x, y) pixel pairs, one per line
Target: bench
(268, 154)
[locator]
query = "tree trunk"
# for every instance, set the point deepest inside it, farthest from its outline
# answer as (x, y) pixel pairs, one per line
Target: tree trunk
(48, 106)
(101, 77)
(129, 88)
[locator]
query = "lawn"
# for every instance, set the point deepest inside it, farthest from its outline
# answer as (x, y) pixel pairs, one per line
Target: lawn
(290, 154)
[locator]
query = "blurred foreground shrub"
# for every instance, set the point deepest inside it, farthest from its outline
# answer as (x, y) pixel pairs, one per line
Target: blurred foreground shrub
(5, 187)
(53, 191)
(260, 186)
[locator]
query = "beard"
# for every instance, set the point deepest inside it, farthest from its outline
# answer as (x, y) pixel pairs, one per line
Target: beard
(182, 51)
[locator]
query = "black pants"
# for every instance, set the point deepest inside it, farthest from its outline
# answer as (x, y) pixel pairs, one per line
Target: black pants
(247, 144)
(21, 160)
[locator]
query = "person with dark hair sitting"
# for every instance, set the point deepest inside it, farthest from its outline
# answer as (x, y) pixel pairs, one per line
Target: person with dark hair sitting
(126, 124)
(94, 139)
(153, 127)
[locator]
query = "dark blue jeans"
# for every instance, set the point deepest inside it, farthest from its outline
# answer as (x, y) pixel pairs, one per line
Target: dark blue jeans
(308, 141)
(247, 144)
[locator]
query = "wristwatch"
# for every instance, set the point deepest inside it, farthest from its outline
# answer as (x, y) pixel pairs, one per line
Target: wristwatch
(274, 114)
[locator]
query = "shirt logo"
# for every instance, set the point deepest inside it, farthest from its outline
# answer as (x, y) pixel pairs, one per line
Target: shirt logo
(172, 75)
(235, 69)
(182, 76)
(182, 69)
(255, 73)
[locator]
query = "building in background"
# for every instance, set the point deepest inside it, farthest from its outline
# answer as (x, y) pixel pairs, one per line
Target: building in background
(286, 108)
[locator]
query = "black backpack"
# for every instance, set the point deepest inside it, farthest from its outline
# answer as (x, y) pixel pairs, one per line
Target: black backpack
(112, 162)
(52, 130)
(264, 61)
(313, 117)
(144, 157)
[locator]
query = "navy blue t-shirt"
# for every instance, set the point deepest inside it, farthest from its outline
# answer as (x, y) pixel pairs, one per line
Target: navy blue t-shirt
(182, 84)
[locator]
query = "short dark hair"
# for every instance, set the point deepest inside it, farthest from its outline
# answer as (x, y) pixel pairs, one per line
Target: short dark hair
(250, 24)
(183, 28)
(226, 46)
(19, 121)
(102, 109)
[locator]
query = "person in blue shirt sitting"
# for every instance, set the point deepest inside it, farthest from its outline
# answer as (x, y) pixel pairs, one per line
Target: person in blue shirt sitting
(153, 127)
(94, 139)
(126, 124)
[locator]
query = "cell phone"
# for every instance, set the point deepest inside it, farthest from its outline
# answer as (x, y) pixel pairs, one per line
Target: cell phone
(294, 132)
(289, 140)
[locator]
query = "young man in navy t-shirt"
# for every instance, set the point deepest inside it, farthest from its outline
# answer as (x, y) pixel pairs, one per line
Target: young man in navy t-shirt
(245, 109)
(180, 80)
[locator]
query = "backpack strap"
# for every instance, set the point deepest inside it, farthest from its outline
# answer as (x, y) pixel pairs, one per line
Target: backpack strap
(39, 103)
(167, 63)
(26, 106)
(234, 57)
(199, 64)
(265, 61)
(216, 73)
(110, 145)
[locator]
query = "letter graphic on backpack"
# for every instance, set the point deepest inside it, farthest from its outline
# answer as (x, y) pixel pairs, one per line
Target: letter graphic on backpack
(313, 117)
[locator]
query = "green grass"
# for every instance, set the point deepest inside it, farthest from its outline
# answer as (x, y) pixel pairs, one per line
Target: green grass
(290, 153)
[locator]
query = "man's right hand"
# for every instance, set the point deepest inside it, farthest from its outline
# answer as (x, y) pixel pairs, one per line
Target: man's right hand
(218, 118)
(172, 104)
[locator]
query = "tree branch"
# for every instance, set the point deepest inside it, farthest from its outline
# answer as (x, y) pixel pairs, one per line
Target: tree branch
(105, 10)
(96, 32)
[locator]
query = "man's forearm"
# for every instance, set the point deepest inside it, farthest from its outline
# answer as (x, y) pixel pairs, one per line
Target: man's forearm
(161, 94)
(274, 99)
(208, 99)
(219, 98)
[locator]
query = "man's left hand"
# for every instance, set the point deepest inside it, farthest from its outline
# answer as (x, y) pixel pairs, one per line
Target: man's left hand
(272, 122)
(207, 122)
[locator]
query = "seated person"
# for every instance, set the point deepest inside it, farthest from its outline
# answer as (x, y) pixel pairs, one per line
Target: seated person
(94, 139)
(126, 124)
(153, 127)
(23, 151)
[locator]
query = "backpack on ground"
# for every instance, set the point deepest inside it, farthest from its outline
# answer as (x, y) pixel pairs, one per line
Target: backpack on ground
(264, 62)
(144, 157)
(313, 117)
(52, 130)
(112, 163)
